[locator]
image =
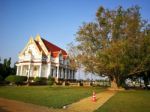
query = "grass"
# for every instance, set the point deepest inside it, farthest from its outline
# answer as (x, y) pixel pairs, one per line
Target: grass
(128, 101)
(55, 97)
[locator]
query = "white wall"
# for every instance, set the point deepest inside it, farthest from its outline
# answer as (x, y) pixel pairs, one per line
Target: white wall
(81, 75)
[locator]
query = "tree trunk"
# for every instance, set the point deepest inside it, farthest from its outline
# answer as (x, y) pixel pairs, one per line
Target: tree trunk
(114, 84)
(145, 78)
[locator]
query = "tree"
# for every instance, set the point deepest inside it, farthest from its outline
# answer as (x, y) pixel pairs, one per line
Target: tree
(73, 54)
(6, 69)
(114, 44)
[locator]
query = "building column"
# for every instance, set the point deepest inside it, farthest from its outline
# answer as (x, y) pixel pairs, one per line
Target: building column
(29, 71)
(17, 70)
(60, 74)
(65, 73)
(21, 70)
(57, 72)
(68, 73)
(49, 70)
(40, 70)
(73, 74)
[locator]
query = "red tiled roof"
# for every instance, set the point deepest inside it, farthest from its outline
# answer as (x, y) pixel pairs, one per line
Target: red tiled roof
(53, 48)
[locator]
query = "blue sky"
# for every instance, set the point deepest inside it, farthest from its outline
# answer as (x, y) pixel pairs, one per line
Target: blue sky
(55, 20)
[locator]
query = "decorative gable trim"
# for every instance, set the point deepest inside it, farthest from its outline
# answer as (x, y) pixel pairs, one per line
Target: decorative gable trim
(38, 38)
(31, 41)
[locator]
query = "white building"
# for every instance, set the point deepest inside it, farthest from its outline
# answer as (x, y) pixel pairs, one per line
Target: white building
(41, 58)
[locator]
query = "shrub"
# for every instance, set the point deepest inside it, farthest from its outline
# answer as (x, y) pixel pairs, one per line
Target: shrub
(16, 79)
(50, 81)
(40, 80)
(1, 78)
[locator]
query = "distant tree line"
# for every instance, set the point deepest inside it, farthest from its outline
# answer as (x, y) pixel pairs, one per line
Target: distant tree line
(6, 69)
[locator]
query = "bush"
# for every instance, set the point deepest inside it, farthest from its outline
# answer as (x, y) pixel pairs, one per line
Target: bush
(50, 81)
(1, 78)
(16, 79)
(40, 80)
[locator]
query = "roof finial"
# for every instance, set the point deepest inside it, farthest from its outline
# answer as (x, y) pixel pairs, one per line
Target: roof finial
(31, 37)
(37, 37)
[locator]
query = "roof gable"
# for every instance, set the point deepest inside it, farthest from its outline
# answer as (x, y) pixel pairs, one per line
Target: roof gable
(41, 45)
(46, 48)
(31, 41)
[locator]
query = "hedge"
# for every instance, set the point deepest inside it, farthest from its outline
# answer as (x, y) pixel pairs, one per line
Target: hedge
(16, 79)
(50, 81)
(40, 80)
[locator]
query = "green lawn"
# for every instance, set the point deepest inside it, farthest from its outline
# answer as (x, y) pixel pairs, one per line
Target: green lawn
(47, 96)
(128, 101)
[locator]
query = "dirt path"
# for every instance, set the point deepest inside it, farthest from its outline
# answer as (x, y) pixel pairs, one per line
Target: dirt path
(17, 106)
(84, 105)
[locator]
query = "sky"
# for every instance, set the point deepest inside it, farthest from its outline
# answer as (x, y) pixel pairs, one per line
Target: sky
(55, 20)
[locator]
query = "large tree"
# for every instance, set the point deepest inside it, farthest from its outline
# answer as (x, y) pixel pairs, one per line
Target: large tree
(116, 44)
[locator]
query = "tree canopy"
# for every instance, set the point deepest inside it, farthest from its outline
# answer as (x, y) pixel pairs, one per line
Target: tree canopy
(116, 44)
